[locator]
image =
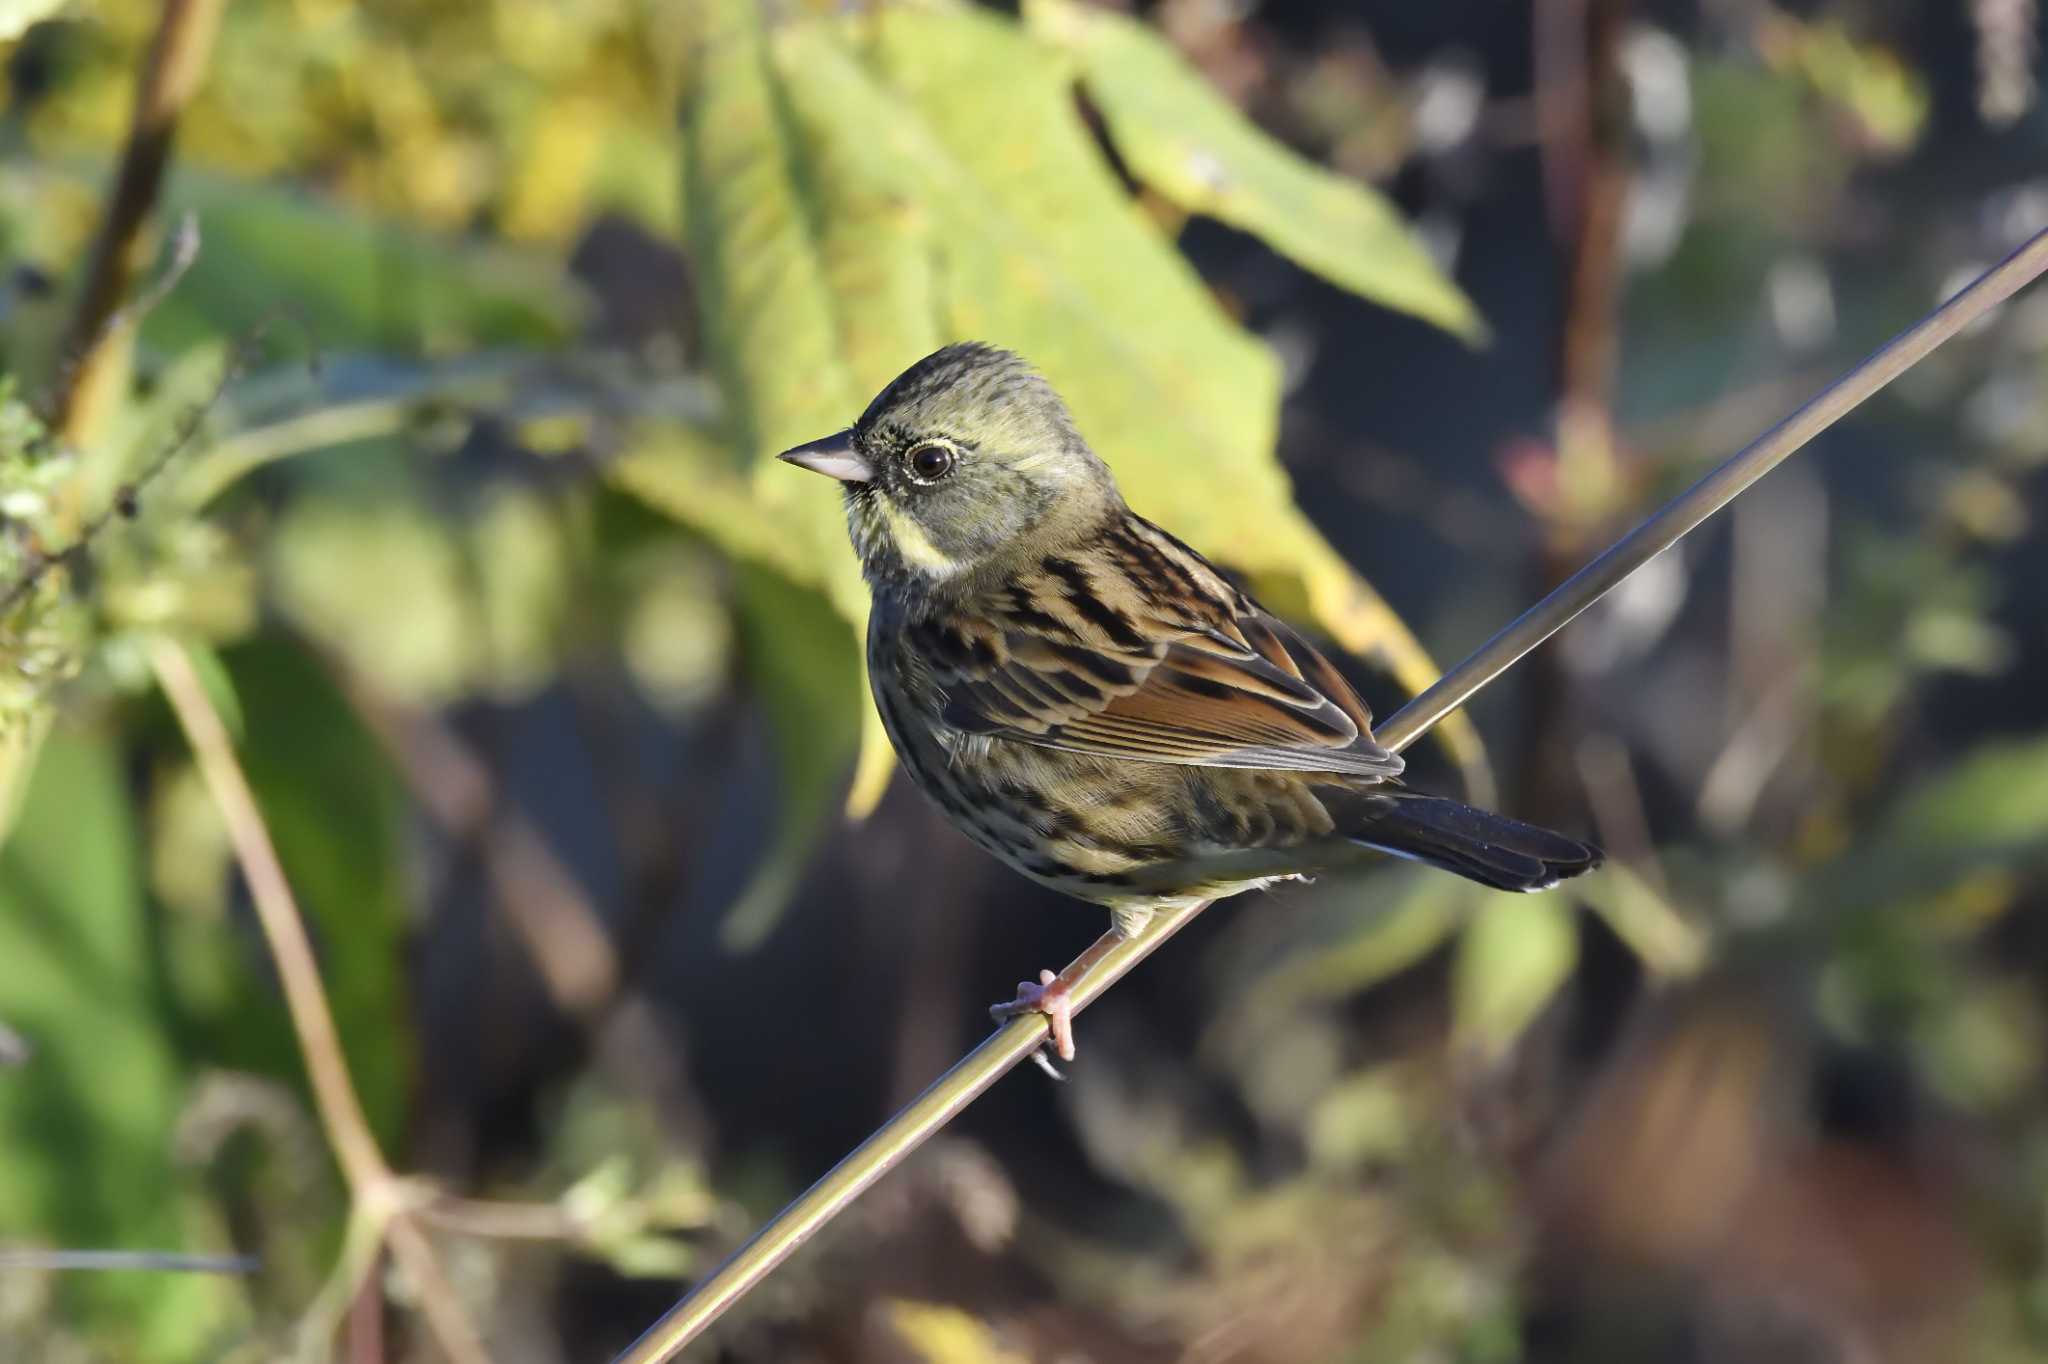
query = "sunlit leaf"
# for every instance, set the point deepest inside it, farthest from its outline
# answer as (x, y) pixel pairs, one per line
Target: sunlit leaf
(1186, 141)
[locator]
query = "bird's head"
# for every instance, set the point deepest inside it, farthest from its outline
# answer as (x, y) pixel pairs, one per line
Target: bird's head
(963, 465)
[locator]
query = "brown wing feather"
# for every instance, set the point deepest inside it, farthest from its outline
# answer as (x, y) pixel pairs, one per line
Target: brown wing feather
(1141, 650)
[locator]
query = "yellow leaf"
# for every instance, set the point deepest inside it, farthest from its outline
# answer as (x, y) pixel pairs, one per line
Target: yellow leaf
(947, 1335)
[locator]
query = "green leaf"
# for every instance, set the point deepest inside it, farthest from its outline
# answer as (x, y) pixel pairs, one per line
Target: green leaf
(1190, 144)
(1512, 958)
(21, 743)
(1993, 798)
(86, 1144)
(1986, 813)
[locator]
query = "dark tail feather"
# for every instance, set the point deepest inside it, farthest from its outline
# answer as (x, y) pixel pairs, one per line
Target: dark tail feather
(1479, 846)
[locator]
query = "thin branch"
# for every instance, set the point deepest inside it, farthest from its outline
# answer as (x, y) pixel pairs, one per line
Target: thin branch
(379, 1196)
(1103, 964)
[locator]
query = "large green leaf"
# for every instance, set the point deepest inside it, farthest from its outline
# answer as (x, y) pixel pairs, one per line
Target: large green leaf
(86, 1144)
(1186, 141)
(857, 193)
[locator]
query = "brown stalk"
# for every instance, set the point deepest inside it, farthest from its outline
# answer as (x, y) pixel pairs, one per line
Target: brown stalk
(379, 1195)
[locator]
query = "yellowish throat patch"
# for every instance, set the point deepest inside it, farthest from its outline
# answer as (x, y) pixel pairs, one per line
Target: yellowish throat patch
(914, 545)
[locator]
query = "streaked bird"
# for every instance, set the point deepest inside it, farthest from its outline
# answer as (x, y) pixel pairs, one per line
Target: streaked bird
(1089, 699)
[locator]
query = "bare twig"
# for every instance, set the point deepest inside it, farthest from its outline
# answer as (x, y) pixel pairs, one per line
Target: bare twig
(381, 1199)
(1106, 962)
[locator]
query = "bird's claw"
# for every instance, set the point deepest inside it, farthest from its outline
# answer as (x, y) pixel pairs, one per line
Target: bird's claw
(1050, 997)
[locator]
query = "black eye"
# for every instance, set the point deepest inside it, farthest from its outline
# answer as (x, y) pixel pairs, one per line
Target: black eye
(931, 461)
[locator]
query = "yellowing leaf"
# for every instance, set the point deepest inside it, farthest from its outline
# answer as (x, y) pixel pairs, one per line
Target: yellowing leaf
(1187, 142)
(947, 1335)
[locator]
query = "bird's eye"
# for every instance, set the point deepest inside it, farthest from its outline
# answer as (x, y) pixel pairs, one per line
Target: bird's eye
(931, 461)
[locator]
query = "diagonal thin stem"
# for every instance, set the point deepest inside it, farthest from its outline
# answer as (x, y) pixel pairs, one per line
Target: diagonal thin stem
(277, 911)
(1103, 964)
(378, 1194)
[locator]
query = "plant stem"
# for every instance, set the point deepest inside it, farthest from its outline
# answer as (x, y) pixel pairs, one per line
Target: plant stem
(377, 1193)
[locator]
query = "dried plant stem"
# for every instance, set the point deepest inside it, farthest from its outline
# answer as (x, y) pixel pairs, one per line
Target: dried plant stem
(1103, 964)
(381, 1198)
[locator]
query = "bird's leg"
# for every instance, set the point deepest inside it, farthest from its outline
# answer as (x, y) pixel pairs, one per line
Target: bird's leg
(1051, 995)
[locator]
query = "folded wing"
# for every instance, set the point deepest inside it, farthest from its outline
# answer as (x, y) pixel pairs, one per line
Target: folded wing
(1141, 650)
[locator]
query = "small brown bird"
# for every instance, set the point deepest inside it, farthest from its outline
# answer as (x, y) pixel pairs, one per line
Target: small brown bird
(1086, 697)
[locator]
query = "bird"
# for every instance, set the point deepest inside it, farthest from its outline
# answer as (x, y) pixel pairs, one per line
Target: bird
(1089, 699)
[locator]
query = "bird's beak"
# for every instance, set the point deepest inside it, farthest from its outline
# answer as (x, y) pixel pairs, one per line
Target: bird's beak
(834, 457)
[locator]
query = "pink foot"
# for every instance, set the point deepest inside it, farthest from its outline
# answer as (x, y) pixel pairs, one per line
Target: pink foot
(1049, 997)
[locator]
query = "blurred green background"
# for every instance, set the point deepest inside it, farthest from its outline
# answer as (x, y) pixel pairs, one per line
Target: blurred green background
(444, 463)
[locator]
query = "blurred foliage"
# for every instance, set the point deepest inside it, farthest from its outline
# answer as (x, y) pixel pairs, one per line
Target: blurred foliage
(508, 344)
(88, 1126)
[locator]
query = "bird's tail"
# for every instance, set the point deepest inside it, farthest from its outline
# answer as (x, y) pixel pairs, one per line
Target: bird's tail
(1476, 844)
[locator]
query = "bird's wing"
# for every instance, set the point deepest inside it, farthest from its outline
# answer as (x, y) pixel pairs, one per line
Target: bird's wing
(1136, 648)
